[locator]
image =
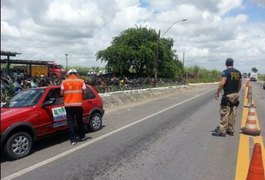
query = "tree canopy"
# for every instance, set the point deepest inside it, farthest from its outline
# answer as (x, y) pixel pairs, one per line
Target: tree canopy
(134, 51)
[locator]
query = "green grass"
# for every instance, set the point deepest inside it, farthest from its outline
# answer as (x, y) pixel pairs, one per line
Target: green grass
(261, 77)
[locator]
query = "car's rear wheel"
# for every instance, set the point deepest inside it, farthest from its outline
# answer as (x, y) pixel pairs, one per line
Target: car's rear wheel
(18, 145)
(95, 122)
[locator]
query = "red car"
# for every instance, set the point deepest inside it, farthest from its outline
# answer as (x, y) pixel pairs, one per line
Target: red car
(38, 112)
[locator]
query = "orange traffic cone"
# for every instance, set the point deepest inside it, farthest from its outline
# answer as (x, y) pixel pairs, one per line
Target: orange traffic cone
(249, 91)
(247, 82)
(249, 97)
(256, 169)
(251, 125)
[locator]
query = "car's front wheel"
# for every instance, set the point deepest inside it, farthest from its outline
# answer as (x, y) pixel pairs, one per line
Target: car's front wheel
(18, 145)
(95, 122)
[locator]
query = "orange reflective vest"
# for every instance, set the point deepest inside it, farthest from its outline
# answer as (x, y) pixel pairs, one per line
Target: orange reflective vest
(73, 91)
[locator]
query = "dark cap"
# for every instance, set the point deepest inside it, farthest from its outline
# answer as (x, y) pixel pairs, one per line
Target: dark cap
(229, 62)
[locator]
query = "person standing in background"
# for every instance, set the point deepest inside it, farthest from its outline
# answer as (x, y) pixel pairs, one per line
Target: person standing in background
(231, 83)
(72, 88)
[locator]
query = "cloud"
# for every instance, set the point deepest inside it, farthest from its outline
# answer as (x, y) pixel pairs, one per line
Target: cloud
(225, 6)
(259, 2)
(48, 29)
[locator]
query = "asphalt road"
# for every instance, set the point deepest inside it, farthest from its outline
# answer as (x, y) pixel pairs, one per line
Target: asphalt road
(168, 138)
(259, 98)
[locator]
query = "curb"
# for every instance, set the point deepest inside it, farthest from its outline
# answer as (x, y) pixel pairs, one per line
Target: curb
(123, 98)
(118, 98)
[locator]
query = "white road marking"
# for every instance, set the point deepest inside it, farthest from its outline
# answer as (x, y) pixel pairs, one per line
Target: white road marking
(35, 166)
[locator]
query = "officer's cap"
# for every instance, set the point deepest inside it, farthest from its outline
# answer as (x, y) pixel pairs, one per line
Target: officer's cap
(229, 62)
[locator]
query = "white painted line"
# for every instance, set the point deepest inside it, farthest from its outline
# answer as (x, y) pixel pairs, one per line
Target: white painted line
(31, 168)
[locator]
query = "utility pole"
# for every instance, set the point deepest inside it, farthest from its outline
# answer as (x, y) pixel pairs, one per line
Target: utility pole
(183, 61)
(157, 49)
(66, 61)
(183, 58)
(157, 56)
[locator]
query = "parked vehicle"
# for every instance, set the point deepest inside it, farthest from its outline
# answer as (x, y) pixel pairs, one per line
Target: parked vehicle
(55, 70)
(253, 76)
(50, 69)
(244, 75)
(38, 112)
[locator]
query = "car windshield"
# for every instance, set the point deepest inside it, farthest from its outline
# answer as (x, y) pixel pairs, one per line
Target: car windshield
(59, 67)
(25, 98)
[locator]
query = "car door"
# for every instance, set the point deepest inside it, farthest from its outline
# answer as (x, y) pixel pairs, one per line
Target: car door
(88, 103)
(55, 112)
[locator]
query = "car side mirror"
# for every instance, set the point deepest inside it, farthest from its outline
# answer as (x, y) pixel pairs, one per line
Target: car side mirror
(50, 102)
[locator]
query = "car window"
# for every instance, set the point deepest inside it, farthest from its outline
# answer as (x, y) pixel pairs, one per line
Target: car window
(59, 67)
(88, 94)
(51, 65)
(54, 94)
(26, 98)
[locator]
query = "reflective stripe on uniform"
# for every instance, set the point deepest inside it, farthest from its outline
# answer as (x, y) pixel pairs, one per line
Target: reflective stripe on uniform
(72, 91)
(73, 80)
(72, 104)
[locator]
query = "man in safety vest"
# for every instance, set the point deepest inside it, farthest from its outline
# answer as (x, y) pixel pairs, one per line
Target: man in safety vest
(231, 84)
(72, 89)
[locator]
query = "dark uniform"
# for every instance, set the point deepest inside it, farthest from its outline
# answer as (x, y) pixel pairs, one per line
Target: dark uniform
(229, 100)
(233, 77)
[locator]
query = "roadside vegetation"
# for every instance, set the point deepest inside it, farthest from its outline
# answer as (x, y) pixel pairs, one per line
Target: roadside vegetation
(261, 77)
(141, 52)
(197, 74)
(193, 74)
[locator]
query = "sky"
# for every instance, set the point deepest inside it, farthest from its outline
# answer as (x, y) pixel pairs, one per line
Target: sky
(214, 30)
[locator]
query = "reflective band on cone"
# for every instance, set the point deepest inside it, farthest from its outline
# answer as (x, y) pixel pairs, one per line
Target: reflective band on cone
(251, 124)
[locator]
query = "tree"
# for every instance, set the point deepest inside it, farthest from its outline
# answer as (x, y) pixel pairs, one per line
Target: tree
(134, 51)
(254, 69)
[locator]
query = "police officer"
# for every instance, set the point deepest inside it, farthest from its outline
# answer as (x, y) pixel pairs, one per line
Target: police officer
(231, 84)
(72, 89)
